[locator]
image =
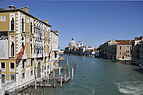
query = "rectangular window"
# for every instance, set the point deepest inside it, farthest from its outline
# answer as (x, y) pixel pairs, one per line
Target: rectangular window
(32, 62)
(12, 77)
(23, 75)
(31, 27)
(23, 64)
(31, 72)
(12, 65)
(42, 68)
(120, 47)
(3, 65)
(34, 70)
(120, 53)
(23, 24)
(27, 20)
(3, 18)
(3, 78)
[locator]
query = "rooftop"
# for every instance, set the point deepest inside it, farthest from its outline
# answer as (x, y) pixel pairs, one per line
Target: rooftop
(13, 9)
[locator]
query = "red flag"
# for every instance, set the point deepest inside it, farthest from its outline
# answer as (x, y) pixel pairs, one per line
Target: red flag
(42, 54)
(50, 53)
(19, 56)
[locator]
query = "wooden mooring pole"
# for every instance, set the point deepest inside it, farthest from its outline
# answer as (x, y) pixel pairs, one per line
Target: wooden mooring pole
(48, 77)
(65, 73)
(23, 90)
(34, 91)
(54, 78)
(31, 90)
(72, 73)
(44, 91)
(61, 81)
(59, 71)
(27, 90)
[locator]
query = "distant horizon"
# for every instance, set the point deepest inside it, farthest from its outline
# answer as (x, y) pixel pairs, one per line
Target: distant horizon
(92, 22)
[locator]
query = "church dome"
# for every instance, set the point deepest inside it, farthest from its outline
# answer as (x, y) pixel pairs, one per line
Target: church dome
(72, 43)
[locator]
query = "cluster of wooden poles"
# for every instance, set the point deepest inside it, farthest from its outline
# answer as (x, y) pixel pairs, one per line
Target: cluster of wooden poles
(66, 79)
(61, 79)
(34, 93)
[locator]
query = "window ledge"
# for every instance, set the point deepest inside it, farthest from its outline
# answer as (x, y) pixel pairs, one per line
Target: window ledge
(11, 31)
(3, 69)
(11, 57)
(12, 70)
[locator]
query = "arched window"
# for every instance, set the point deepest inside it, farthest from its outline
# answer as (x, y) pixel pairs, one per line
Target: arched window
(55, 54)
(22, 38)
(12, 24)
(34, 48)
(31, 27)
(12, 49)
(22, 24)
(31, 48)
(22, 44)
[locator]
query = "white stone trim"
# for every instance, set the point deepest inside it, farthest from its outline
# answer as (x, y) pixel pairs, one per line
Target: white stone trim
(11, 40)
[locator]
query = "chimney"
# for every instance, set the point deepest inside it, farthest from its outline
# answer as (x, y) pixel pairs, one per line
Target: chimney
(47, 21)
(26, 9)
(11, 7)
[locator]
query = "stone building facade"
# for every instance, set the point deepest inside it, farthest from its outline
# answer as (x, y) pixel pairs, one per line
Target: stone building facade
(117, 49)
(137, 51)
(24, 46)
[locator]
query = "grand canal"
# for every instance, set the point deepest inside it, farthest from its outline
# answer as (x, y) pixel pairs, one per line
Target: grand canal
(95, 76)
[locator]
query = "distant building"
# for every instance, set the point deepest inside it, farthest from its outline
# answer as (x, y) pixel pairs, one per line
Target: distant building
(90, 51)
(79, 44)
(137, 50)
(117, 49)
(72, 43)
(78, 49)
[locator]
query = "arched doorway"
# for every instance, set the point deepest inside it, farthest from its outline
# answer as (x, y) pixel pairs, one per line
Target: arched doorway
(39, 70)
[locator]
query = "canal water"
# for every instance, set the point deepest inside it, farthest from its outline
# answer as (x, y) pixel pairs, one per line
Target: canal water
(96, 76)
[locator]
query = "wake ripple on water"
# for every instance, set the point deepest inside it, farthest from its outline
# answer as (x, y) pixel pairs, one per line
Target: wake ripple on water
(130, 87)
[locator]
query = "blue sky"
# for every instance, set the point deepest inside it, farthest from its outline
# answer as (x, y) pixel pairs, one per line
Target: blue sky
(93, 22)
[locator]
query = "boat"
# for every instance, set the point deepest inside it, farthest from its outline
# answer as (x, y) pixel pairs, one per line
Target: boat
(62, 59)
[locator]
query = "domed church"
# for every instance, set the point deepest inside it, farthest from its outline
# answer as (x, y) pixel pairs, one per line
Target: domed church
(72, 43)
